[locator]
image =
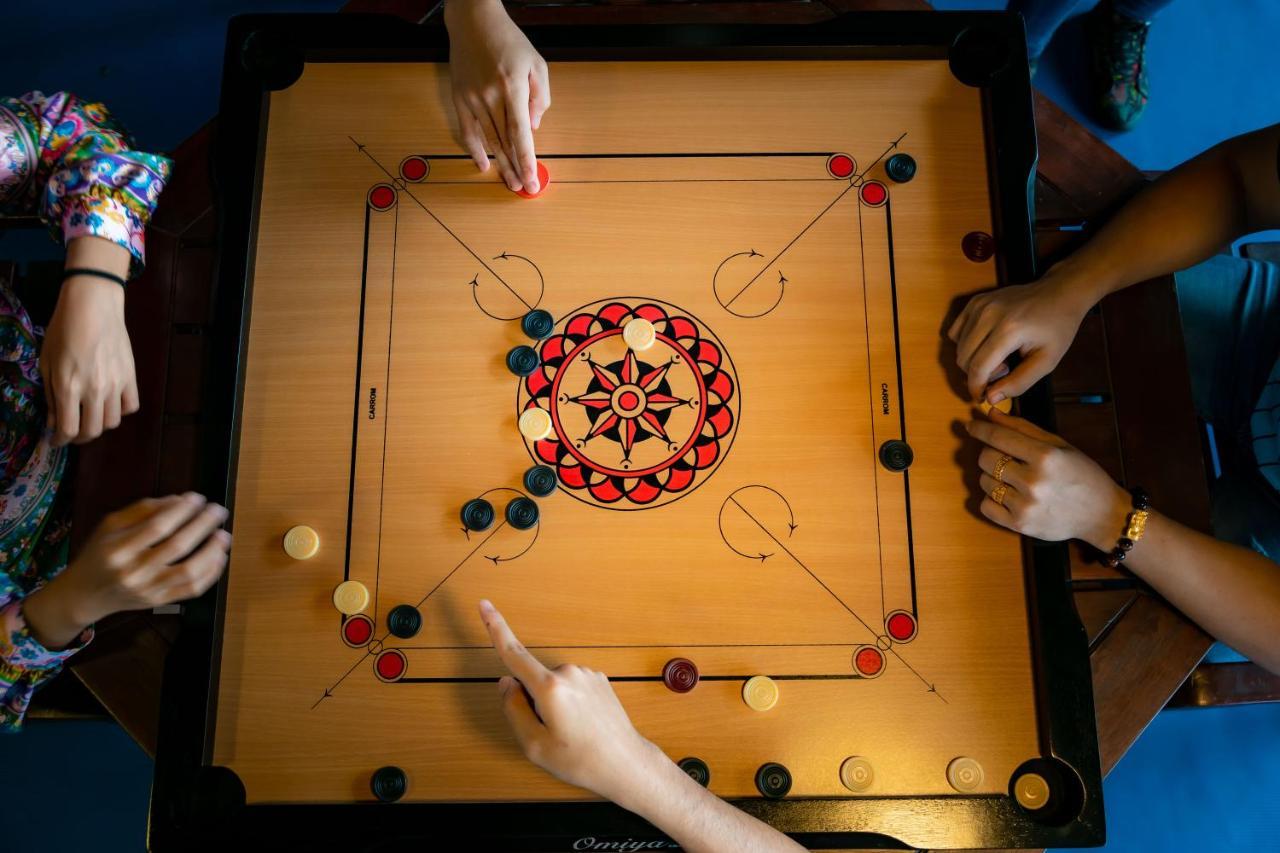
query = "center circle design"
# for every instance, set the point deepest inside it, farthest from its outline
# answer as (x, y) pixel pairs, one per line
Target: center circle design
(627, 401)
(632, 429)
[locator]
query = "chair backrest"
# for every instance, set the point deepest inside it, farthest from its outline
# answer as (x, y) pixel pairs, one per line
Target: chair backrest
(1213, 685)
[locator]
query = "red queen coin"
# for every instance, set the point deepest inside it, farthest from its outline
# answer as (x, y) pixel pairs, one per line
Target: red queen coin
(680, 675)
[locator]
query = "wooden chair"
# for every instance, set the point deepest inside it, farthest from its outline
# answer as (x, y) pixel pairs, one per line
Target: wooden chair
(1214, 685)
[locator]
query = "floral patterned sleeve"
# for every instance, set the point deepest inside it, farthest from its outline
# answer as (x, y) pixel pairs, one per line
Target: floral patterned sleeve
(70, 162)
(24, 663)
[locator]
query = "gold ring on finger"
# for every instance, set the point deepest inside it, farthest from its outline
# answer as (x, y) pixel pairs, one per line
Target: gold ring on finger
(997, 494)
(998, 472)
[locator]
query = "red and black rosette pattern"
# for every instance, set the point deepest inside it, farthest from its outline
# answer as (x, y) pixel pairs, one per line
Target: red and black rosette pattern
(632, 429)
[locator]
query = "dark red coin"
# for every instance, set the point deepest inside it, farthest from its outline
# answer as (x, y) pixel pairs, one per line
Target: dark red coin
(841, 165)
(874, 193)
(544, 178)
(390, 665)
(978, 246)
(901, 626)
(382, 197)
(414, 168)
(357, 630)
(868, 660)
(680, 675)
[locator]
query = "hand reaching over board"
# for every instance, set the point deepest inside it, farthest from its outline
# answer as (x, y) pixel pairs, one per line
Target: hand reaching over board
(500, 89)
(1040, 486)
(1038, 321)
(570, 723)
(153, 552)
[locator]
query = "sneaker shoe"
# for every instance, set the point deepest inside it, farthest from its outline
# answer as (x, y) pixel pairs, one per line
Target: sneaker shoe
(1119, 73)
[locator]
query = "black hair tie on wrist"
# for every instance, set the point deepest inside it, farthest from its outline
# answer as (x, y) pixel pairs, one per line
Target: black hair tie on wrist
(66, 274)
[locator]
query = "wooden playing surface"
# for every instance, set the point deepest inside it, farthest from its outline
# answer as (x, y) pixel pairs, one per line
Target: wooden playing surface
(302, 717)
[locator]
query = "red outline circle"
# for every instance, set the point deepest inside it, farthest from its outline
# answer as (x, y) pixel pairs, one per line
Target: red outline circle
(873, 187)
(414, 159)
(899, 615)
(554, 399)
(835, 158)
(386, 655)
(858, 654)
(381, 207)
(359, 618)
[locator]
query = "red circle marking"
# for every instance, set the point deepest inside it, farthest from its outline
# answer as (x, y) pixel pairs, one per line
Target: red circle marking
(628, 400)
(544, 178)
(381, 197)
(390, 665)
(414, 168)
(840, 165)
(567, 442)
(901, 626)
(869, 661)
(874, 193)
(357, 630)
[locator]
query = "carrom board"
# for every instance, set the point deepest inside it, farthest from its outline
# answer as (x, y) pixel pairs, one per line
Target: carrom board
(773, 483)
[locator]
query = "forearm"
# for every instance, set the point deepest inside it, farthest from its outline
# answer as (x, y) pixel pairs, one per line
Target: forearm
(1179, 220)
(95, 253)
(454, 8)
(698, 820)
(1186, 216)
(53, 614)
(1230, 591)
(98, 253)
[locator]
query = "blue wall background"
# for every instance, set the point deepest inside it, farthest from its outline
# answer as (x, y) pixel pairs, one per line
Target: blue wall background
(1196, 780)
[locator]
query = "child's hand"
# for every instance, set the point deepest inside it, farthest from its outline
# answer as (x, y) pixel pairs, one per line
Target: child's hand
(153, 552)
(86, 360)
(568, 720)
(500, 88)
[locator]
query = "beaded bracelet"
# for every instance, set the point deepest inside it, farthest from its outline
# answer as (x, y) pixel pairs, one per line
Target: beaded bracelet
(1134, 526)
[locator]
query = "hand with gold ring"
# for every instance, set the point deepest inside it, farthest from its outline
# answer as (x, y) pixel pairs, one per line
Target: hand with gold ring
(1039, 485)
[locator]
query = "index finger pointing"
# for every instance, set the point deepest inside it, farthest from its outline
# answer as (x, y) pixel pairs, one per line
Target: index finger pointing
(523, 665)
(521, 134)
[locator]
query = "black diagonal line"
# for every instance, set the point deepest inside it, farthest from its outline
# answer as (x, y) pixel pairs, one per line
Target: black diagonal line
(803, 231)
(381, 639)
(830, 592)
(446, 228)
(801, 564)
(462, 562)
(352, 669)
